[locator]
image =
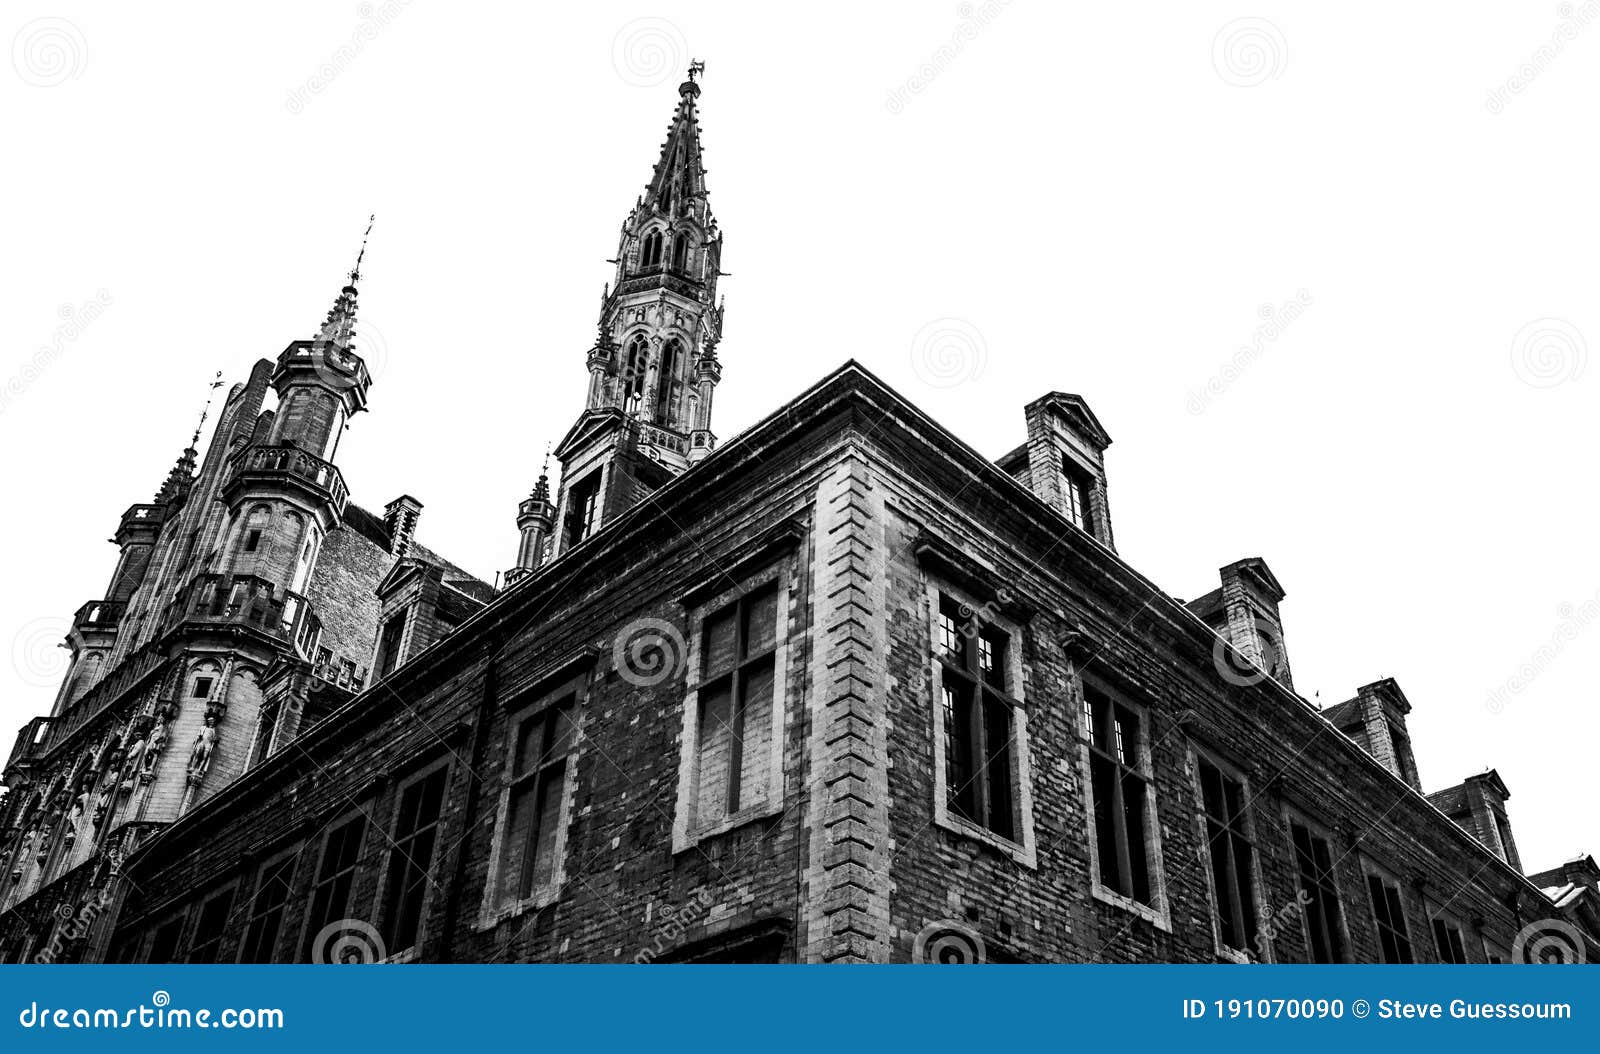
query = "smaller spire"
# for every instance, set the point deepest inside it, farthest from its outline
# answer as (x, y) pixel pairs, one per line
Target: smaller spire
(181, 476)
(339, 329)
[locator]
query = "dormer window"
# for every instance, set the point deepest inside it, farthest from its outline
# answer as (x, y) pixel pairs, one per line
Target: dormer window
(1076, 486)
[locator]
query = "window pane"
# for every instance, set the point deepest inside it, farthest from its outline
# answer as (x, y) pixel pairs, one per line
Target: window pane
(563, 734)
(997, 736)
(1103, 777)
(761, 621)
(551, 785)
(720, 642)
(1133, 815)
(520, 819)
(992, 657)
(960, 788)
(716, 737)
(755, 760)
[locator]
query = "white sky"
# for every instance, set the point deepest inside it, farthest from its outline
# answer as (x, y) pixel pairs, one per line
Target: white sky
(1083, 190)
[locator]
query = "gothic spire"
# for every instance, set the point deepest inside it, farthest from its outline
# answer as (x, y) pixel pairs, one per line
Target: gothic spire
(677, 184)
(339, 327)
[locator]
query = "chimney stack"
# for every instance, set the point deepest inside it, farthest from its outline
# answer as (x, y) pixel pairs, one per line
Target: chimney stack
(400, 517)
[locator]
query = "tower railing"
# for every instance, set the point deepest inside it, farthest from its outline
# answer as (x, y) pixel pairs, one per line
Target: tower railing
(268, 462)
(246, 600)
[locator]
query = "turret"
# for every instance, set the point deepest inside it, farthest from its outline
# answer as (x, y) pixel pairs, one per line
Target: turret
(536, 516)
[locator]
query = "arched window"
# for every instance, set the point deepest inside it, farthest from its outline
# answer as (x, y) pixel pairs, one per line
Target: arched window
(680, 252)
(633, 370)
(664, 379)
(652, 249)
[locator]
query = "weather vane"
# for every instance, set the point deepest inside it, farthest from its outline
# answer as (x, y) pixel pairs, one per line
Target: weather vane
(355, 272)
(696, 67)
(215, 384)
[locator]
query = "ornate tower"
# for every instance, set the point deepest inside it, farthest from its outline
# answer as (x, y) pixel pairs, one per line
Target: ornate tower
(653, 367)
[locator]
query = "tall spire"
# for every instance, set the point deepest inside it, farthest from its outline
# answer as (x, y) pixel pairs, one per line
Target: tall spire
(338, 330)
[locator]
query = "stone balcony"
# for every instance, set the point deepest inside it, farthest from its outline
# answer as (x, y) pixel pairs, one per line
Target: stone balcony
(246, 601)
(98, 616)
(264, 465)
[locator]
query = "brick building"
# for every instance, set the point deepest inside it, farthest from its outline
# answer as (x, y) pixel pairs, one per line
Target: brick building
(841, 689)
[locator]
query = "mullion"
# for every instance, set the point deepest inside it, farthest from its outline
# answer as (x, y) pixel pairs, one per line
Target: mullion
(530, 845)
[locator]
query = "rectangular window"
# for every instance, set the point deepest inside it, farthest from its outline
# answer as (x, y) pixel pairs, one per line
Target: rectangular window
(252, 539)
(416, 834)
(1447, 942)
(266, 911)
(1232, 853)
(1119, 788)
(1393, 940)
(164, 948)
(541, 745)
(1076, 487)
(210, 927)
(979, 729)
(202, 688)
(336, 873)
(737, 675)
(389, 644)
(265, 730)
(1314, 862)
(582, 501)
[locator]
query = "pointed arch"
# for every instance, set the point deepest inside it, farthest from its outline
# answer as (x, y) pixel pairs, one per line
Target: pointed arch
(671, 354)
(635, 361)
(680, 251)
(651, 254)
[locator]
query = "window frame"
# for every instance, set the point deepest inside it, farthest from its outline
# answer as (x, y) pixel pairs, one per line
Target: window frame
(178, 917)
(307, 938)
(687, 832)
(1255, 948)
(383, 908)
(291, 856)
(1158, 912)
(1293, 818)
(1077, 493)
(533, 706)
(1373, 874)
(386, 659)
(1023, 848)
(1438, 919)
(229, 890)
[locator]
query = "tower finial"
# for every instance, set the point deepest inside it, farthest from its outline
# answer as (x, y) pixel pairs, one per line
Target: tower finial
(355, 272)
(696, 68)
(216, 382)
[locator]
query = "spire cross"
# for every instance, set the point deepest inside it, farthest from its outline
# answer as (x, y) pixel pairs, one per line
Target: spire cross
(696, 68)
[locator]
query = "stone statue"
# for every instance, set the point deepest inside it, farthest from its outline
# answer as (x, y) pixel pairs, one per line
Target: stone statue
(205, 741)
(152, 750)
(102, 805)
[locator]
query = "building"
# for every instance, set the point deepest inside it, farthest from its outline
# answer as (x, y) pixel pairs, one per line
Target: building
(839, 690)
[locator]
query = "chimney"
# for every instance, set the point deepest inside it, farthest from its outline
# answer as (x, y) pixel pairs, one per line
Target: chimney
(1065, 462)
(400, 517)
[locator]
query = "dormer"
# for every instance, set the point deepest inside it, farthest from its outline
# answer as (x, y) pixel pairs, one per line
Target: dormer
(1063, 462)
(1376, 720)
(1244, 610)
(1478, 804)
